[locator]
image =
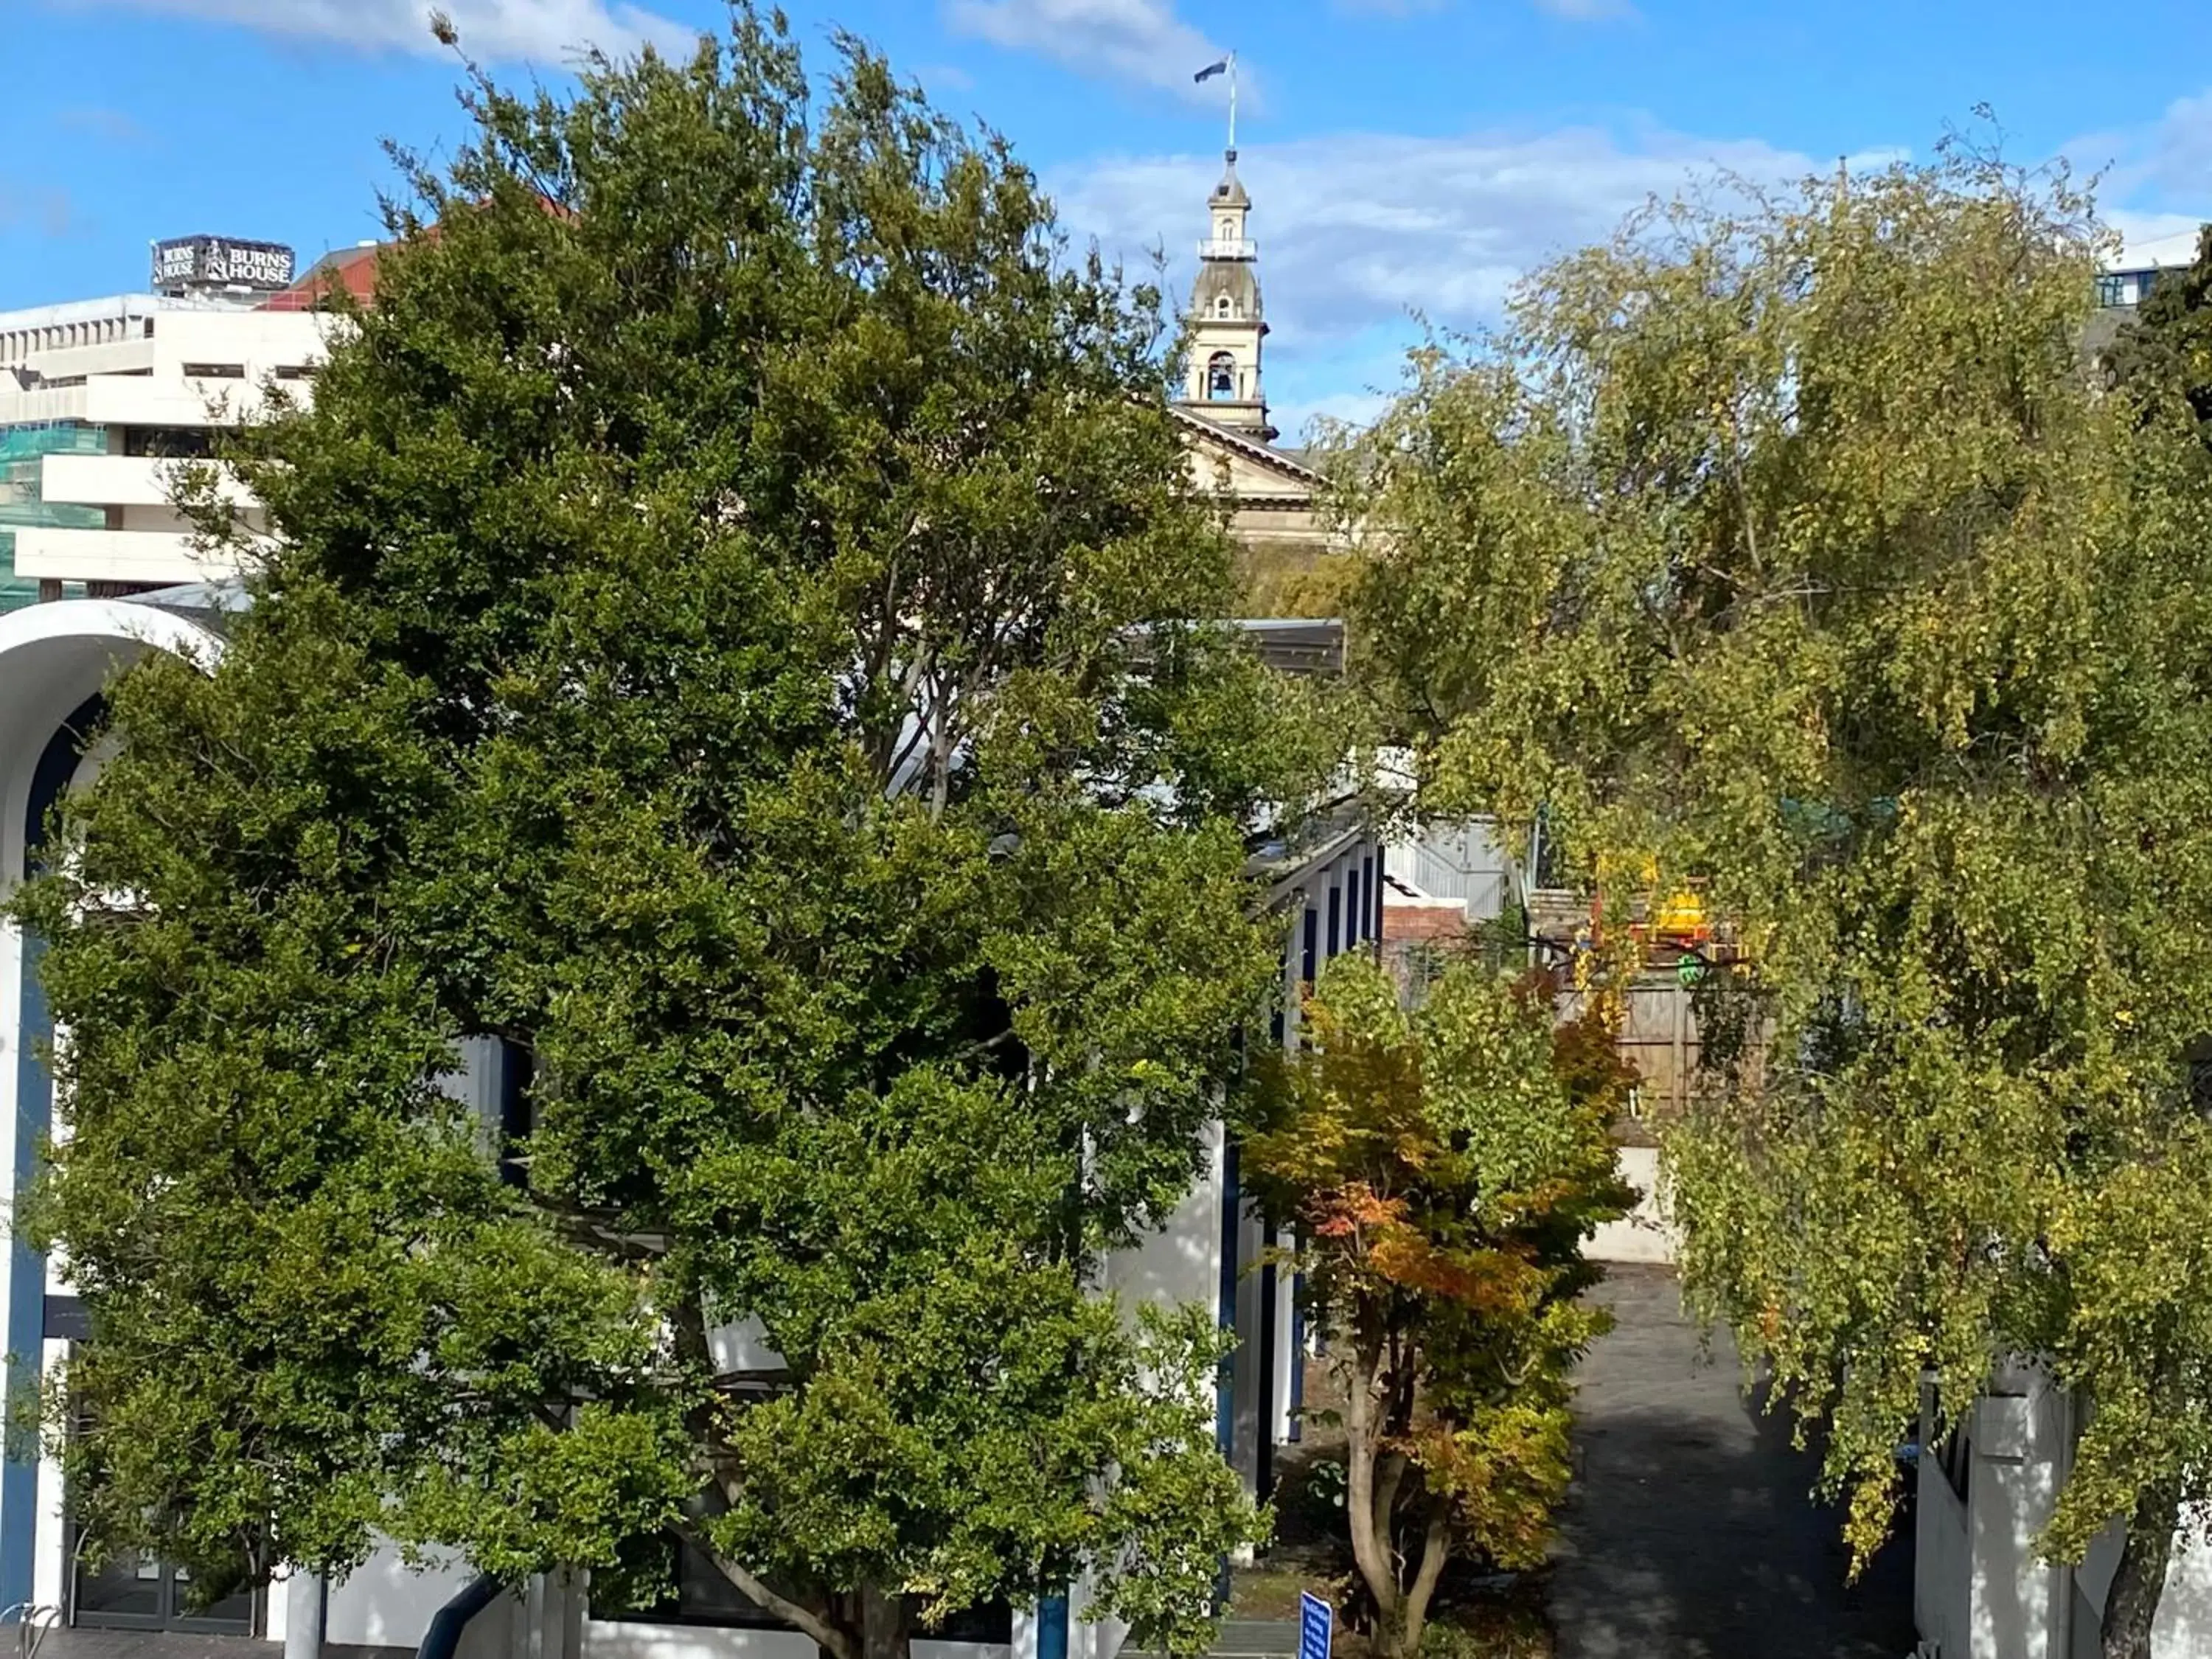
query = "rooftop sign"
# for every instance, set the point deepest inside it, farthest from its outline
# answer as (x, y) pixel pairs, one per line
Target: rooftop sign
(190, 262)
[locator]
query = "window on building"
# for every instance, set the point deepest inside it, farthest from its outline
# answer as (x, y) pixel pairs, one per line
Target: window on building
(2196, 1061)
(1221, 377)
(1955, 1456)
(694, 1591)
(296, 371)
(215, 371)
(1221, 307)
(167, 443)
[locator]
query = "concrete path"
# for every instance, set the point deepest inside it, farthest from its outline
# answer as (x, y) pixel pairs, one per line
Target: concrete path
(1690, 1534)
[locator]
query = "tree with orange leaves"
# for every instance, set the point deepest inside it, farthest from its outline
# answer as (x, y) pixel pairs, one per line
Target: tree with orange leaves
(1443, 1167)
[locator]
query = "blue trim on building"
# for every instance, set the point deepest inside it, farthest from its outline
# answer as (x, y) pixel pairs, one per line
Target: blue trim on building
(1355, 919)
(1335, 922)
(35, 1102)
(1312, 946)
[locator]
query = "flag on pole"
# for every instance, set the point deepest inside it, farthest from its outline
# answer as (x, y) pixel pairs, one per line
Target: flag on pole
(1212, 70)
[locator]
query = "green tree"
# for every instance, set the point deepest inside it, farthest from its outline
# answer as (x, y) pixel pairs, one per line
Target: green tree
(736, 628)
(2166, 347)
(1791, 543)
(1442, 1167)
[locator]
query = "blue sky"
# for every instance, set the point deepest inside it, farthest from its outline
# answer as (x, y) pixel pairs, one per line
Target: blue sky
(1403, 154)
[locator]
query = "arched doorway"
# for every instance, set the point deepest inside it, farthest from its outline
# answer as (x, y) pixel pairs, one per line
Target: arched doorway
(55, 660)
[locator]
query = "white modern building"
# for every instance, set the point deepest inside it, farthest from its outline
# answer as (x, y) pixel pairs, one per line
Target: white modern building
(55, 660)
(2127, 281)
(99, 399)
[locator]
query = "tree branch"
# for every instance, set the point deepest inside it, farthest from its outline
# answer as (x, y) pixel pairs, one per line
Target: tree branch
(836, 1643)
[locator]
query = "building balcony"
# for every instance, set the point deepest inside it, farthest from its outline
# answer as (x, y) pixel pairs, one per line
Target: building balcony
(138, 400)
(114, 556)
(1228, 248)
(119, 480)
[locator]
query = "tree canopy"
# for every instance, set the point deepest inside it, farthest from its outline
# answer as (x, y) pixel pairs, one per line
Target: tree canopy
(735, 627)
(1790, 543)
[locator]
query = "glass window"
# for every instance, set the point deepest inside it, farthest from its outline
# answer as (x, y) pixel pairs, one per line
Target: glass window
(23, 451)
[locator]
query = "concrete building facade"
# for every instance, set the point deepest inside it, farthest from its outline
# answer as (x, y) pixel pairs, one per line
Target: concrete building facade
(100, 400)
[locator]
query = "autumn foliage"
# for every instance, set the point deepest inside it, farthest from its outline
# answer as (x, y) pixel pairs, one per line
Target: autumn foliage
(1442, 1168)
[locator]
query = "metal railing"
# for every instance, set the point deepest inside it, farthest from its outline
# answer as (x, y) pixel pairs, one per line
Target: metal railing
(1228, 248)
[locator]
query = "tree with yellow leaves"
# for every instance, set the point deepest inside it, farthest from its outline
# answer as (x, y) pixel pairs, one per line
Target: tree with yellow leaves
(1443, 1167)
(1793, 541)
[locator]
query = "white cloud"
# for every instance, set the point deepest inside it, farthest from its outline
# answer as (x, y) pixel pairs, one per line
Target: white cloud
(1588, 11)
(2152, 185)
(1139, 40)
(547, 31)
(1359, 228)
(2159, 166)
(1359, 231)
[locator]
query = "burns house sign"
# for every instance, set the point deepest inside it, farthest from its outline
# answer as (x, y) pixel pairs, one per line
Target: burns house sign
(190, 262)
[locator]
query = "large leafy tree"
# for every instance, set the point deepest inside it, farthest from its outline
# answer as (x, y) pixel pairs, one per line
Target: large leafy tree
(1793, 543)
(1442, 1167)
(736, 628)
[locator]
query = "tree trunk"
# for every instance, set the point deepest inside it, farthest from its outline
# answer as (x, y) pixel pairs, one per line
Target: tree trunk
(1370, 1532)
(883, 1624)
(1404, 1641)
(2131, 1605)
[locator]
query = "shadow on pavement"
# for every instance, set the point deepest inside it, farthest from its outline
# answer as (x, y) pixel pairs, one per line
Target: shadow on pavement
(1691, 1532)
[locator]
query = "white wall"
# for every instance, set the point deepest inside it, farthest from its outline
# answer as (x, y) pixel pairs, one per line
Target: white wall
(384, 1603)
(2183, 1629)
(1646, 1233)
(1979, 1590)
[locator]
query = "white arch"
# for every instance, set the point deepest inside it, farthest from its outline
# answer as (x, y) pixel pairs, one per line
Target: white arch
(53, 658)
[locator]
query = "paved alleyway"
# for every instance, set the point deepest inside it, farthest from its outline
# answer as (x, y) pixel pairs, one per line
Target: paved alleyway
(1689, 1533)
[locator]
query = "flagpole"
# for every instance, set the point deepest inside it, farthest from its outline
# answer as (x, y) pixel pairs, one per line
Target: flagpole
(1232, 103)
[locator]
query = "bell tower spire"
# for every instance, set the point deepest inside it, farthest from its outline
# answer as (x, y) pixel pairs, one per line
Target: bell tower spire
(1226, 322)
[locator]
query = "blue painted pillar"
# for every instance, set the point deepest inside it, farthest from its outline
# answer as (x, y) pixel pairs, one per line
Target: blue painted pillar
(1052, 1627)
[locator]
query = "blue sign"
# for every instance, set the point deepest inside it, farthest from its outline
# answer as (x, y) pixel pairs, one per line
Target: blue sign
(1316, 1620)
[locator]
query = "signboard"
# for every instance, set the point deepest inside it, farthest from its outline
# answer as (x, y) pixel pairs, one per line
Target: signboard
(221, 262)
(1316, 1624)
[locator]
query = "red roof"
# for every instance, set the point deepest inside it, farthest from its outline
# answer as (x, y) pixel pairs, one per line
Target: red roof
(353, 269)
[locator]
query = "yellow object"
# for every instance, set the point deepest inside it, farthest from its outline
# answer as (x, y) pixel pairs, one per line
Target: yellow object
(1683, 914)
